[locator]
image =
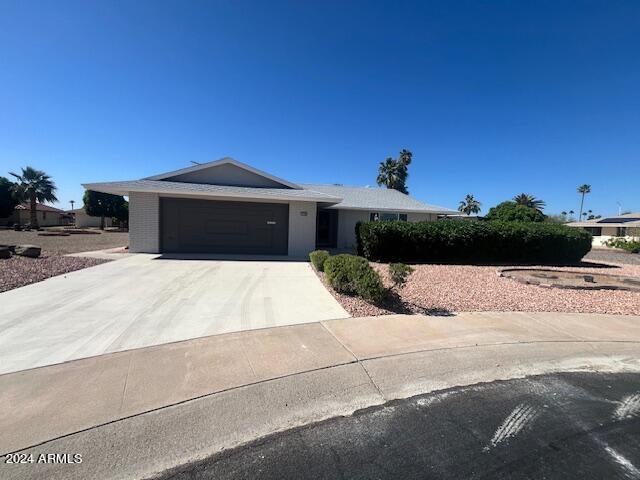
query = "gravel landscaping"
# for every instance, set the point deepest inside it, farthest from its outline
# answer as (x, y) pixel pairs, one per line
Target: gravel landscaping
(442, 289)
(20, 271)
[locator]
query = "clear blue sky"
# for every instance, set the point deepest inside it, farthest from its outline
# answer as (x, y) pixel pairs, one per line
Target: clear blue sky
(494, 98)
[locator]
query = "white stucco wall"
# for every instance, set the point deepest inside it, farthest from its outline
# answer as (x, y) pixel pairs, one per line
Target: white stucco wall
(144, 222)
(302, 228)
(83, 220)
(347, 220)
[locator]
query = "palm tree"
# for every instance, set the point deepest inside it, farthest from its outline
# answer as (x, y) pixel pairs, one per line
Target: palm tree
(469, 205)
(393, 173)
(34, 186)
(583, 190)
(571, 214)
(388, 173)
(529, 201)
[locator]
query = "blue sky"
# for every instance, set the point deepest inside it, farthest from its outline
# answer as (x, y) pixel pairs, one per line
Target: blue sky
(494, 98)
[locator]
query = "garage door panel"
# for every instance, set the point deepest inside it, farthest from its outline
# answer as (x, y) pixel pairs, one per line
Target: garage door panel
(202, 226)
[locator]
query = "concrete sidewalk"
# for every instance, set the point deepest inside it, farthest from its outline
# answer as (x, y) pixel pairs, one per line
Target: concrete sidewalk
(149, 409)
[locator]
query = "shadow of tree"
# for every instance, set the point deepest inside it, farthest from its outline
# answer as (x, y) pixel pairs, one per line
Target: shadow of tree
(393, 302)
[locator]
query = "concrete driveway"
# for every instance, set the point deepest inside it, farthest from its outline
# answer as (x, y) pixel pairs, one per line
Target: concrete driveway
(147, 300)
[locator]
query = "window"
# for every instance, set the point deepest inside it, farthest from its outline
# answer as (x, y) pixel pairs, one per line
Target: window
(621, 232)
(387, 216)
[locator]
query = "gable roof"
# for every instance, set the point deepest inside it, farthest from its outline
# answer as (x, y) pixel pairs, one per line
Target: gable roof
(40, 207)
(224, 161)
(375, 198)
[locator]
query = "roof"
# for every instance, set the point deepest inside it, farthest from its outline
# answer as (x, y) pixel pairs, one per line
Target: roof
(626, 220)
(205, 189)
(224, 161)
(40, 207)
(375, 198)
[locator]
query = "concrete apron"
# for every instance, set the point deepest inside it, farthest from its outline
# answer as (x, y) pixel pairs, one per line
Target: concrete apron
(135, 413)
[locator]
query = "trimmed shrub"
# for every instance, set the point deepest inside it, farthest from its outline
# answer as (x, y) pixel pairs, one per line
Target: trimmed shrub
(514, 212)
(318, 257)
(399, 273)
(353, 275)
(456, 242)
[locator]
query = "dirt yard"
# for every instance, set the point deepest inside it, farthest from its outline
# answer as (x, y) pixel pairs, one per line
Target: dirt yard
(64, 245)
(20, 271)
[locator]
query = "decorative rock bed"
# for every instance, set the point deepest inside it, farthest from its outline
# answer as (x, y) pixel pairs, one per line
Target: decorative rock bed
(572, 280)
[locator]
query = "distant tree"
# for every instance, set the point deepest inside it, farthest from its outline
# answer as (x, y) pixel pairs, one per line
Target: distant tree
(571, 214)
(33, 186)
(394, 173)
(8, 201)
(529, 201)
(556, 218)
(103, 205)
(514, 212)
(469, 205)
(583, 190)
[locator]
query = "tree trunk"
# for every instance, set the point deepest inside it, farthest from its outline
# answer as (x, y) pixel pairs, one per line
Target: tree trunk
(581, 204)
(33, 212)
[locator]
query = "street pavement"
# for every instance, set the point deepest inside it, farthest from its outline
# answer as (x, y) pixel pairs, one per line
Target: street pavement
(561, 426)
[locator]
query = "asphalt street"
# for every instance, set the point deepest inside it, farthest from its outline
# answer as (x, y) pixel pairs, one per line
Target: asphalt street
(561, 426)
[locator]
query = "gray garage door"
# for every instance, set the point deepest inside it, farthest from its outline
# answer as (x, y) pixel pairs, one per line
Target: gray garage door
(203, 226)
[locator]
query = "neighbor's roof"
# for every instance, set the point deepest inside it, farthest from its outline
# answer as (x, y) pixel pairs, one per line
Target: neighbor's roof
(204, 189)
(374, 198)
(39, 207)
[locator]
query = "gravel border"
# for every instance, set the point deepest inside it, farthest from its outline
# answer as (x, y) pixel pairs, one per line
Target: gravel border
(19, 271)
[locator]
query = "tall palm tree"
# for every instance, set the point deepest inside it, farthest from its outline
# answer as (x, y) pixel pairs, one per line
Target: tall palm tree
(583, 190)
(469, 205)
(571, 214)
(34, 186)
(529, 201)
(388, 173)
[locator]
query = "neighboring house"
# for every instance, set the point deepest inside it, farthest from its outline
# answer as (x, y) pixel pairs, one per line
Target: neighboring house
(227, 206)
(47, 216)
(604, 229)
(83, 220)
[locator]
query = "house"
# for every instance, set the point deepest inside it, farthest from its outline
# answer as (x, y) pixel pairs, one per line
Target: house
(83, 220)
(603, 229)
(47, 216)
(227, 206)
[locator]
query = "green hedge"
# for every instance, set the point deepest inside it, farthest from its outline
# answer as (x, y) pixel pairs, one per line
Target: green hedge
(353, 275)
(318, 257)
(473, 241)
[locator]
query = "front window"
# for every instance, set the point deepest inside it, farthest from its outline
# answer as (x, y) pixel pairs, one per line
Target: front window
(387, 216)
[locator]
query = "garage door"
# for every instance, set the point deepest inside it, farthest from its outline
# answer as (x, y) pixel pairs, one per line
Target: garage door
(203, 226)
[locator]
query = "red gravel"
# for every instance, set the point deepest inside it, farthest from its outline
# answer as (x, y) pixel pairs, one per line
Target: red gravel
(457, 288)
(19, 271)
